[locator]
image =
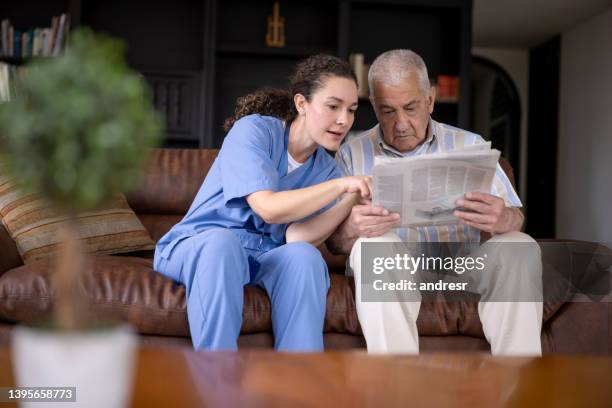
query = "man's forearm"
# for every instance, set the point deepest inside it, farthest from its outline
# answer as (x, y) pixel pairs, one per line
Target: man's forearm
(518, 219)
(515, 220)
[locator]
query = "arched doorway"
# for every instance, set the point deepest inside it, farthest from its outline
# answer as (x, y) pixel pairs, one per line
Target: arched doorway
(496, 109)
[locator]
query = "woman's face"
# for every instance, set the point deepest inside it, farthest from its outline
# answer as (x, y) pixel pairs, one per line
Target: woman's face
(331, 111)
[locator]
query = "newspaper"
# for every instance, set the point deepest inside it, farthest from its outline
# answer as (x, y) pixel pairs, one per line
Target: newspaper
(423, 189)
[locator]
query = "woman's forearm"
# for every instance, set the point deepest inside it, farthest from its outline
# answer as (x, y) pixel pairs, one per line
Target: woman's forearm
(287, 206)
(319, 228)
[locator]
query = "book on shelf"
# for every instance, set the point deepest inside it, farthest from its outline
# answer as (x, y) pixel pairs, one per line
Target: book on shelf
(54, 25)
(26, 43)
(5, 94)
(37, 42)
(61, 34)
(16, 43)
(8, 88)
(19, 43)
(4, 37)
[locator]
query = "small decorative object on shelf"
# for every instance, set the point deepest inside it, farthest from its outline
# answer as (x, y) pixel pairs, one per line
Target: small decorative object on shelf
(361, 73)
(447, 89)
(276, 28)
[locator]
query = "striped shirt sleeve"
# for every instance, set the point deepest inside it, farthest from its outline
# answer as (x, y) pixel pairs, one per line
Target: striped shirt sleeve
(343, 159)
(501, 184)
(503, 188)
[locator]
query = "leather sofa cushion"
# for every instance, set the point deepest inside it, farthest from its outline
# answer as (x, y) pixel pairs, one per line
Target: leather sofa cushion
(119, 288)
(126, 288)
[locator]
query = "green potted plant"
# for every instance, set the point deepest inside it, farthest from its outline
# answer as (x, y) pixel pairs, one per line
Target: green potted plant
(78, 133)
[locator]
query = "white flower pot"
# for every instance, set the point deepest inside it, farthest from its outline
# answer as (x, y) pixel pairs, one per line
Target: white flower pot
(99, 363)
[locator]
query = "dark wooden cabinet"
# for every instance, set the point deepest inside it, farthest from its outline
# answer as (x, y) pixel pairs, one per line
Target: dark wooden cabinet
(200, 55)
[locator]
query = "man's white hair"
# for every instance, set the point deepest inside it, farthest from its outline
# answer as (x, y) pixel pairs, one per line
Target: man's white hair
(392, 67)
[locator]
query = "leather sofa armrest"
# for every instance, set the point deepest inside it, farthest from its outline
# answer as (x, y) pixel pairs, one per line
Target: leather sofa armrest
(9, 256)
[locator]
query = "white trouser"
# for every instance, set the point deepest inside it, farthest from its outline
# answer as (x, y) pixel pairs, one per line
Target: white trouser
(512, 328)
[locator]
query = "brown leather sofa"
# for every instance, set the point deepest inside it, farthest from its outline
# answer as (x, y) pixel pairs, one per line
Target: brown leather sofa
(125, 287)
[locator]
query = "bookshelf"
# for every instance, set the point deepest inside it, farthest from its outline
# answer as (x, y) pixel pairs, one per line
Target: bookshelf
(200, 55)
(20, 41)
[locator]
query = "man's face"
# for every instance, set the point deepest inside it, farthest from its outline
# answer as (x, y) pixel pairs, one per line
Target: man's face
(403, 112)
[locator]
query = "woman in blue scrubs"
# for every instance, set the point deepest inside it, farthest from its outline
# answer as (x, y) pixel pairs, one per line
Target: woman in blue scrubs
(272, 195)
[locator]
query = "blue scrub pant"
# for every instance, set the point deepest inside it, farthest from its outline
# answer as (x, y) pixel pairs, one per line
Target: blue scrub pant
(214, 266)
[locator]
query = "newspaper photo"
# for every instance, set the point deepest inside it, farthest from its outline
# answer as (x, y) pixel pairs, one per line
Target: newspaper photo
(423, 189)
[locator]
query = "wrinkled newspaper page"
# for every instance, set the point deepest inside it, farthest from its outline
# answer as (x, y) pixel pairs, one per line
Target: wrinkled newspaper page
(423, 189)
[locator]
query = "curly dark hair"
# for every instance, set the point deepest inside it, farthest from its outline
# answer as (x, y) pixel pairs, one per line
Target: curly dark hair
(308, 76)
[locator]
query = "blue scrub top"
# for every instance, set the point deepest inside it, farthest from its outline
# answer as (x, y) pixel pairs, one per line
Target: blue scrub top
(253, 157)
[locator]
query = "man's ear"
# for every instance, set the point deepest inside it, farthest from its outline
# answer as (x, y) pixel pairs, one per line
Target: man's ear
(300, 103)
(431, 99)
(371, 98)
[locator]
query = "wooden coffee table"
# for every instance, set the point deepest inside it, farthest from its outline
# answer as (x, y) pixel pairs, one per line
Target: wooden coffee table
(174, 377)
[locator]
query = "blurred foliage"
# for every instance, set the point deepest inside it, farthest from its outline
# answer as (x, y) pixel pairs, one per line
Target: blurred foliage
(80, 128)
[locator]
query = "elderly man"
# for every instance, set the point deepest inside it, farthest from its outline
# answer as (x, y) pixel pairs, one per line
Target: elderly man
(403, 101)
